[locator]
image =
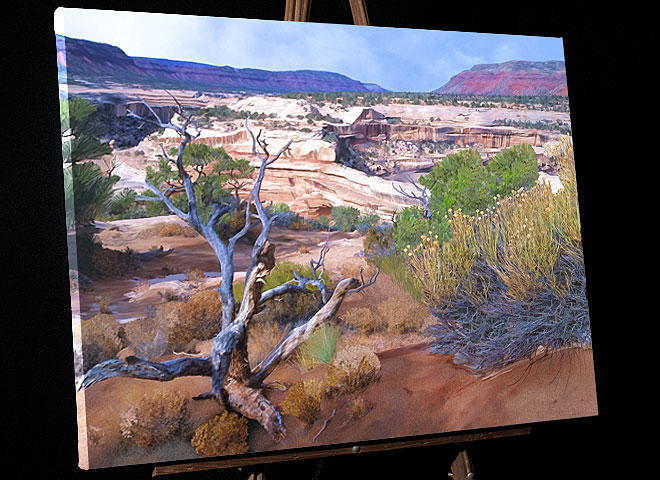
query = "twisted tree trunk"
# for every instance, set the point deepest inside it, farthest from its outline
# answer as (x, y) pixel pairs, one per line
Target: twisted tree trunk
(234, 384)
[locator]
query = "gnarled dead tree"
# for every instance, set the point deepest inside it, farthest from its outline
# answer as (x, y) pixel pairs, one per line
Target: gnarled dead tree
(234, 384)
(424, 195)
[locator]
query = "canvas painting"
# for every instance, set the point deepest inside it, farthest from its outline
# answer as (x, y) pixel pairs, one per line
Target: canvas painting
(287, 235)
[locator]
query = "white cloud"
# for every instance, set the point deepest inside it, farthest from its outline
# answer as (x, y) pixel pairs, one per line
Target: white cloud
(505, 52)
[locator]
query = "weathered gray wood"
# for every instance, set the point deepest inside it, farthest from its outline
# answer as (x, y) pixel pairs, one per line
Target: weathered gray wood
(298, 335)
(232, 383)
(136, 368)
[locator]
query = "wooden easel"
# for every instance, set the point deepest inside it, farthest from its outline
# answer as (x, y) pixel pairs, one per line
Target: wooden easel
(252, 467)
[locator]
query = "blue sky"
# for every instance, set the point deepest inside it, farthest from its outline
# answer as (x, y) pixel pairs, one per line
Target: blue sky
(395, 58)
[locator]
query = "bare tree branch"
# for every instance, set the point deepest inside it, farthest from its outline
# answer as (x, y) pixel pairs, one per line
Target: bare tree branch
(233, 383)
(424, 195)
(136, 368)
(299, 334)
(165, 199)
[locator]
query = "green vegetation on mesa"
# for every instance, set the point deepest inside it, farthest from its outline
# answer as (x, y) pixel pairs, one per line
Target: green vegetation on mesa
(204, 116)
(367, 99)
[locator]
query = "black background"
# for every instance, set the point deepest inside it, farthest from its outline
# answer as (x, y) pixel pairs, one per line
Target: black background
(609, 54)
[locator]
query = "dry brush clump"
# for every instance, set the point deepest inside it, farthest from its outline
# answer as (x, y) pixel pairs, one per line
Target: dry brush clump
(511, 278)
(354, 368)
(224, 434)
(395, 316)
(195, 274)
(263, 336)
(156, 418)
(104, 304)
(145, 337)
(199, 318)
(101, 339)
(364, 320)
(303, 401)
(402, 316)
(358, 407)
(108, 263)
(168, 229)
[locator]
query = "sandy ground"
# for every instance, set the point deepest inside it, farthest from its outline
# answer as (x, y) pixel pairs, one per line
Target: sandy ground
(194, 252)
(419, 392)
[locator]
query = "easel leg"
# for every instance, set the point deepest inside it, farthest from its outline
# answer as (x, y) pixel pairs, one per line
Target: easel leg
(254, 473)
(461, 467)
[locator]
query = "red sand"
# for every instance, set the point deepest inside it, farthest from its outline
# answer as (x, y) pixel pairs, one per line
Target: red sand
(419, 393)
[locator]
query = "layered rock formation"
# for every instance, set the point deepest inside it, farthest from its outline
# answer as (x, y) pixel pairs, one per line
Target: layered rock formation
(373, 125)
(509, 78)
(307, 178)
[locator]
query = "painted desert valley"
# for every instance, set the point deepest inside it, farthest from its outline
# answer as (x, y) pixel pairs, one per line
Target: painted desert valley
(263, 260)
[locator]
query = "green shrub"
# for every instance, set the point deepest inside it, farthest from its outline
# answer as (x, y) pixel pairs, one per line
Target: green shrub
(344, 218)
(513, 168)
(122, 202)
(319, 348)
(156, 418)
(224, 434)
(410, 225)
(459, 181)
(279, 207)
(462, 183)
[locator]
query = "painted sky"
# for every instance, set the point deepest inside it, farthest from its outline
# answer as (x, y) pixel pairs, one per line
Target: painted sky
(397, 59)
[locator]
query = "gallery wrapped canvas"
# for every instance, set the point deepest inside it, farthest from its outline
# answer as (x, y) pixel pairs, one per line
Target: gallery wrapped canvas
(287, 235)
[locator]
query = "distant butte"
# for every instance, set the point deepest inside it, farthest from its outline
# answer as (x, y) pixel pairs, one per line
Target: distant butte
(510, 78)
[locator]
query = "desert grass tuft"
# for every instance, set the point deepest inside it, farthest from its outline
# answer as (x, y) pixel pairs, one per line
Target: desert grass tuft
(101, 339)
(319, 348)
(354, 368)
(303, 401)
